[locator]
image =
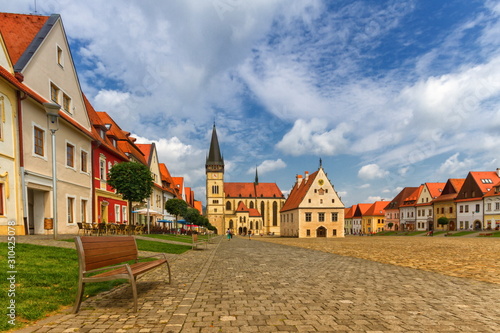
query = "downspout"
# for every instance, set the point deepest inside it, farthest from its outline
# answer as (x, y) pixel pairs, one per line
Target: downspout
(20, 97)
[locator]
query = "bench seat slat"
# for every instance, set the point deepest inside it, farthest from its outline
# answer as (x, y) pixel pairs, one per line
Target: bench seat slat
(137, 268)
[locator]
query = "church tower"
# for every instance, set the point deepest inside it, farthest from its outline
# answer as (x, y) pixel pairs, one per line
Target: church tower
(214, 171)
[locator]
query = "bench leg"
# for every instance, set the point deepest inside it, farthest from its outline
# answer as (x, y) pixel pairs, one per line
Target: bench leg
(79, 295)
(134, 292)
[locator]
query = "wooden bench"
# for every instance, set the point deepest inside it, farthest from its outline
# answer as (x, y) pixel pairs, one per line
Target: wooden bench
(486, 234)
(109, 255)
(196, 241)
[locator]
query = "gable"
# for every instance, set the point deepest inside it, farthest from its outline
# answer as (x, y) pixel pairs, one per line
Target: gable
(4, 56)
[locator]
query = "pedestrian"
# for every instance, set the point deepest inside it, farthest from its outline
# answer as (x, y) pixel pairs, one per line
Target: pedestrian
(249, 234)
(228, 233)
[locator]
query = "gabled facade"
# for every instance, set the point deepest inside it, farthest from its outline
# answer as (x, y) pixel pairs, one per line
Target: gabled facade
(492, 208)
(445, 206)
(169, 190)
(39, 52)
(156, 201)
(348, 214)
(469, 200)
(313, 208)
(357, 217)
(108, 206)
(373, 220)
(408, 210)
(392, 213)
(425, 216)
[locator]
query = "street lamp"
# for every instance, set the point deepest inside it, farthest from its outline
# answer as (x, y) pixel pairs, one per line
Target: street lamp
(52, 110)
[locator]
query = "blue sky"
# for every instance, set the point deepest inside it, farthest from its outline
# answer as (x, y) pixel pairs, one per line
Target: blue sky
(388, 93)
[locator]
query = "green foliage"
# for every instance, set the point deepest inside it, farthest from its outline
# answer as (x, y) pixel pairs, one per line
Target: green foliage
(132, 180)
(193, 216)
(177, 207)
(443, 220)
(390, 224)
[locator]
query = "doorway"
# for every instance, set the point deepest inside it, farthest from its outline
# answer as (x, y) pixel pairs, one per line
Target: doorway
(321, 232)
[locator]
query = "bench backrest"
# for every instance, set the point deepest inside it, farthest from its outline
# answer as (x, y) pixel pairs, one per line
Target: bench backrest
(96, 252)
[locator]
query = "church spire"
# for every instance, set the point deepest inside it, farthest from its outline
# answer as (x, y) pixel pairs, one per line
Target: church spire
(256, 177)
(214, 157)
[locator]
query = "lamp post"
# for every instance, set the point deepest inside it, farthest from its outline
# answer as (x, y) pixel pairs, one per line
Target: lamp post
(52, 110)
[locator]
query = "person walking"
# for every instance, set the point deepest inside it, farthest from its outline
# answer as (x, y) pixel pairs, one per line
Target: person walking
(228, 234)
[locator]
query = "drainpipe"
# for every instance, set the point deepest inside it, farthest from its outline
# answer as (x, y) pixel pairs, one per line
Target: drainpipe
(20, 97)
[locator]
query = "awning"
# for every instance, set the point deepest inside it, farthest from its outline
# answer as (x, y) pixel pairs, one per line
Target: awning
(165, 221)
(144, 211)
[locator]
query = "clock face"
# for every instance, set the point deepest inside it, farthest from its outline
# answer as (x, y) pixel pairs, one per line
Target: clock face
(215, 175)
(321, 182)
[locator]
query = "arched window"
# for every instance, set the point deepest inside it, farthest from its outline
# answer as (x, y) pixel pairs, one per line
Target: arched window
(228, 205)
(263, 210)
(231, 226)
(215, 189)
(251, 204)
(275, 213)
(251, 224)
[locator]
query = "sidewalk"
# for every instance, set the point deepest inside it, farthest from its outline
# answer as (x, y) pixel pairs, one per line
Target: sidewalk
(254, 286)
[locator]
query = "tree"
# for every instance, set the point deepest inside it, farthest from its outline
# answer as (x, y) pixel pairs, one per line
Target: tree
(177, 207)
(132, 180)
(443, 220)
(390, 224)
(192, 216)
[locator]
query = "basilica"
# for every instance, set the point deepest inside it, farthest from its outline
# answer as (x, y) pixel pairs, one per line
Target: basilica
(241, 207)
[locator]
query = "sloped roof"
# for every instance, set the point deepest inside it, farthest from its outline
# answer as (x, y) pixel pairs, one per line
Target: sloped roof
(199, 206)
(435, 189)
(96, 122)
(480, 178)
(457, 183)
(214, 155)
(400, 198)
(298, 192)
(450, 190)
(252, 190)
(146, 149)
(166, 177)
(495, 191)
(19, 31)
(361, 209)
(376, 209)
(349, 212)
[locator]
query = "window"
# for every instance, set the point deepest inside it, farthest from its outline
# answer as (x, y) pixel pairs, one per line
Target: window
(275, 213)
(308, 217)
(117, 213)
(102, 167)
(2, 209)
(309, 200)
(215, 189)
(321, 217)
(334, 232)
(497, 205)
(38, 141)
(308, 232)
(124, 213)
(66, 103)
(461, 208)
(215, 201)
(335, 217)
(488, 206)
(54, 93)
(477, 208)
(451, 210)
(70, 155)
(228, 205)
(83, 161)
(83, 217)
(321, 201)
(466, 208)
(60, 59)
(71, 209)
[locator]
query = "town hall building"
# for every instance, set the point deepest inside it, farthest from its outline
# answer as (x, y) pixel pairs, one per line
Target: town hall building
(242, 207)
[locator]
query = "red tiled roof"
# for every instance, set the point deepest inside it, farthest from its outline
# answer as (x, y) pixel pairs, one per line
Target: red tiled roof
(166, 177)
(361, 209)
(252, 190)
(18, 31)
(242, 207)
(494, 193)
(349, 212)
(298, 192)
(480, 175)
(146, 149)
(376, 209)
(435, 189)
(399, 199)
(457, 183)
(199, 206)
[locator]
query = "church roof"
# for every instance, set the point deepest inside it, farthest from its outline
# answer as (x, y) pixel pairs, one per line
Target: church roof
(214, 154)
(252, 190)
(251, 211)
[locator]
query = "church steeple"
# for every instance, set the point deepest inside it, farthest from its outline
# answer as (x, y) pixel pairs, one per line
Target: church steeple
(215, 162)
(256, 177)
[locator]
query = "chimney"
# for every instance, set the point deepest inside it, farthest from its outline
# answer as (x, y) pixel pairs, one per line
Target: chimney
(498, 172)
(299, 180)
(306, 176)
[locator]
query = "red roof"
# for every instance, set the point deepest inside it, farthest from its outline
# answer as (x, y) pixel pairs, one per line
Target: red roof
(167, 178)
(494, 192)
(485, 179)
(399, 199)
(435, 189)
(298, 192)
(146, 149)
(18, 31)
(349, 212)
(252, 190)
(376, 209)
(361, 209)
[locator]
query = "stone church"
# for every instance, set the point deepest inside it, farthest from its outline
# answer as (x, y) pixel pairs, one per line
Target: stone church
(242, 207)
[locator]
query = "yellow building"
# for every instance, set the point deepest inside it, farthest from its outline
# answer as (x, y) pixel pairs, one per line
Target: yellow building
(492, 208)
(373, 220)
(241, 207)
(313, 208)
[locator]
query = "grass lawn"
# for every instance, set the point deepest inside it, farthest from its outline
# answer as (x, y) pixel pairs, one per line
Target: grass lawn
(47, 279)
(177, 238)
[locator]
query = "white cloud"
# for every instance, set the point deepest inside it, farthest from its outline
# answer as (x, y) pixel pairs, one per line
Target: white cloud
(454, 167)
(268, 166)
(365, 186)
(371, 171)
(374, 198)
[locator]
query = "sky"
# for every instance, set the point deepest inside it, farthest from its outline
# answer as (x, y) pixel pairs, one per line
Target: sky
(387, 94)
